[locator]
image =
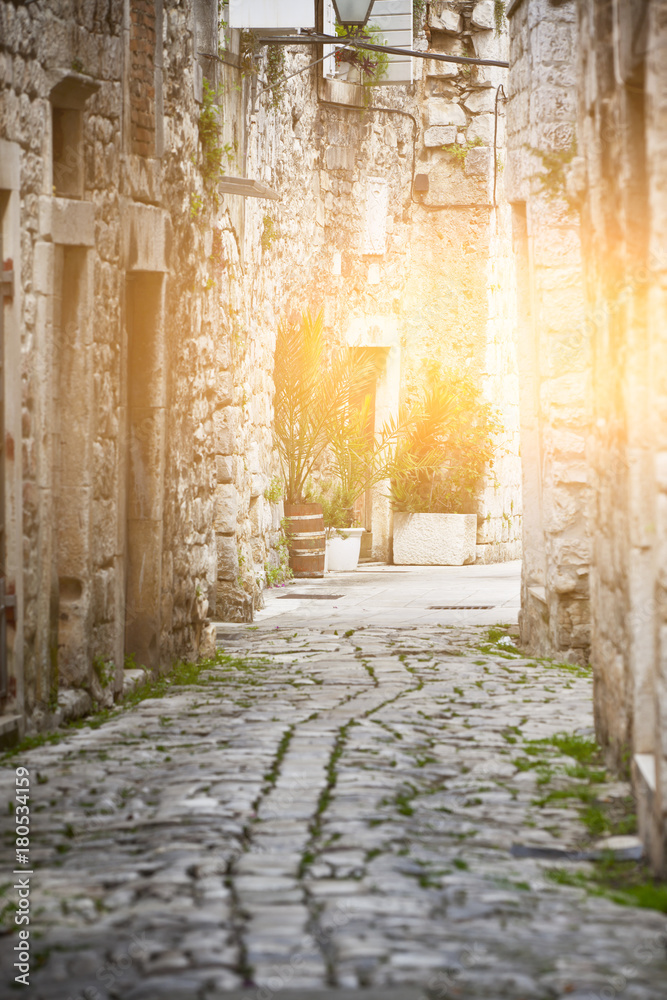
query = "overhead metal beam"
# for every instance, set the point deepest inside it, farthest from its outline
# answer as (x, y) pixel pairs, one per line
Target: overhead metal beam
(315, 39)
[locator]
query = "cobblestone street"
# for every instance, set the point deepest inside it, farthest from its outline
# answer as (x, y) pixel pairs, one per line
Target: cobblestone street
(332, 807)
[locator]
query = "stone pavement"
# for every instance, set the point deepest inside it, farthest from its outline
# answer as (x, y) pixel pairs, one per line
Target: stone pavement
(403, 595)
(328, 808)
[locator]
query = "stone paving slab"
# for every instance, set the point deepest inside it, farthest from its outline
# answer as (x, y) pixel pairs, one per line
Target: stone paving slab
(256, 836)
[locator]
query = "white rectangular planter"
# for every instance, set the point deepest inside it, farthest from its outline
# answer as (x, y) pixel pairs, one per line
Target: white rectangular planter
(434, 539)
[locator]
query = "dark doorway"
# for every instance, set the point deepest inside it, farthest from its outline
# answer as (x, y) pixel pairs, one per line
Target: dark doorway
(145, 466)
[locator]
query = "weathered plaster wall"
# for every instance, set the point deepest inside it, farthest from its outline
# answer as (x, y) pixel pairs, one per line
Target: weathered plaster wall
(554, 339)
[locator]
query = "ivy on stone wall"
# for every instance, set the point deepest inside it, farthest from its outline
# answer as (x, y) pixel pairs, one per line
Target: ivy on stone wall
(418, 11)
(499, 14)
(214, 151)
(275, 70)
(553, 178)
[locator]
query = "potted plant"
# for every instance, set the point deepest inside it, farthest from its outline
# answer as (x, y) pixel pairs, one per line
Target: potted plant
(312, 393)
(451, 443)
(360, 459)
(361, 66)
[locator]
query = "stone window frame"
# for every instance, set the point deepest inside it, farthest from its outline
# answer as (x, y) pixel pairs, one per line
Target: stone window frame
(67, 98)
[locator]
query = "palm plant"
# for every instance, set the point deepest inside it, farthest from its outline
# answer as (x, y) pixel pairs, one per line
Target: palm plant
(312, 396)
(359, 458)
(450, 442)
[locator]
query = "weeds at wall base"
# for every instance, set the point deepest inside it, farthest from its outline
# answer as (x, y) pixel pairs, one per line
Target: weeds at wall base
(182, 674)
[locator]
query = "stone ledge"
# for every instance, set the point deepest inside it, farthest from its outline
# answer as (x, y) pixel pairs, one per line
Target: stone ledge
(67, 221)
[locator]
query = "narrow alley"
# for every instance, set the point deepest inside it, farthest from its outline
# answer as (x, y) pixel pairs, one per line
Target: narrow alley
(408, 803)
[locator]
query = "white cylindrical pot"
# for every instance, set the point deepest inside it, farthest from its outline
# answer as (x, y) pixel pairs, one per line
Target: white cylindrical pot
(343, 553)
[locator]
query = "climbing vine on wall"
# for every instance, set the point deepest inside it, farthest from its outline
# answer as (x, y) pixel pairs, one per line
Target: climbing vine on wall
(418, 11)
(214, 152)
(275, 70)
(553, 178)
(499, 14)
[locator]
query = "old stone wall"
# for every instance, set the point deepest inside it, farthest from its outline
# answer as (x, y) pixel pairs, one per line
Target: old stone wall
(147, 295)
(420, 278)
(554, 343)
(593, 412)
(623, 115)
(110, 339)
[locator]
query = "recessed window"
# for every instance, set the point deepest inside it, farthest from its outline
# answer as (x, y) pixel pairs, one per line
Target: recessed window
(67, 153)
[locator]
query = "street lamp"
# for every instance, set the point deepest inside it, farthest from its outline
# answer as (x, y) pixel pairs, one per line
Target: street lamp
(352, 13)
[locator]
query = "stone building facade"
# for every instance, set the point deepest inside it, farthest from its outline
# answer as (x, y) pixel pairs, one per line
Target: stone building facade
(596, 402)
(623, 122)
(108, 352)
(553, 336)
(142, 294)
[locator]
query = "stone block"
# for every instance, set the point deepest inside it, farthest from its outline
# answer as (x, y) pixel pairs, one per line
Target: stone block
(481, 102)
(226, 509)
(554, 42)
(445, 20)
(482, 127)
(68, 222)
(104, 595)
(233, 605)
(228, 558)
(43, 268)
(440, 135)
(146, 467)
(478, 161)
(450, 185)
(10, 165)
(260, 516)
(435, 67)
(443, 112)
(489, 531)
(224, 468)
(226, 430)
(146, 235)
(340, 158)
(483, 15)
(73, 704)
(434, 539)
(258, 484)
(224, 388)
(488, 45)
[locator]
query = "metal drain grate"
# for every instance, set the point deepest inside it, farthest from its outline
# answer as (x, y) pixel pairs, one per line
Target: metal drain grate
(461, 607)
(310, 597)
